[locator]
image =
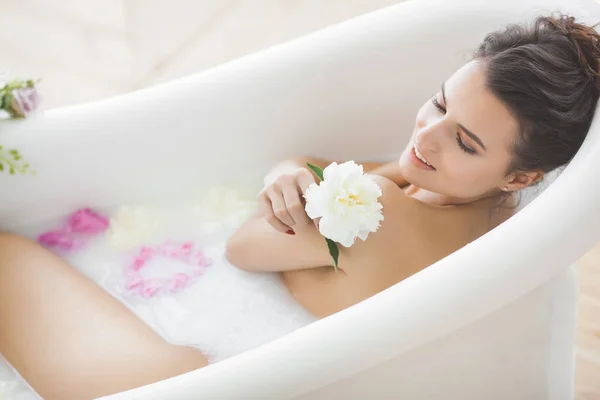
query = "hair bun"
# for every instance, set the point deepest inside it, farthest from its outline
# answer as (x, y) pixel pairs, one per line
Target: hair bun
(585, 39)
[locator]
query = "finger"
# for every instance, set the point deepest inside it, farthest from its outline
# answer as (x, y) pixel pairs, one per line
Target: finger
(279, 207)
(293, 203)
(267, 212)
(305, 180)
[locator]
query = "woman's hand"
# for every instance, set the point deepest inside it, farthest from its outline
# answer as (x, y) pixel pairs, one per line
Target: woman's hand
(282, 201)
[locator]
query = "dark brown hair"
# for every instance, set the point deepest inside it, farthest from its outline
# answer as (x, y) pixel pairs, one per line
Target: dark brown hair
(548, 75)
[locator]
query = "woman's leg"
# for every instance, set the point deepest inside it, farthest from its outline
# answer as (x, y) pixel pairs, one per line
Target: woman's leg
(69, 338)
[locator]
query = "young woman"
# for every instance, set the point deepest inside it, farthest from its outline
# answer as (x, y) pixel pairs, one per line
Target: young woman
(520, 108)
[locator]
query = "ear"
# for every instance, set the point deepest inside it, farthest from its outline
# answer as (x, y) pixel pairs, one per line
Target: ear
(520, 180)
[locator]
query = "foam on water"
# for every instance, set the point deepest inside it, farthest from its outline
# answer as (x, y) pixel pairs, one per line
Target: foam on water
(223, 312)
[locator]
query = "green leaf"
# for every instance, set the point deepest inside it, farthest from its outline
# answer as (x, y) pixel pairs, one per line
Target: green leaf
(318, 171)
(12, 170)
(16, 83)
(6, 101)
(1, 167)
(334, 251)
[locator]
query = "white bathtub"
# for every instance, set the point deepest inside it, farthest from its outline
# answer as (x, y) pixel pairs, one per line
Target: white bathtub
(495, 320)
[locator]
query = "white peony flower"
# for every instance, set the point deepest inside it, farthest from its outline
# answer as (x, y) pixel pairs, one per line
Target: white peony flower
(132, 226)
(346, 201)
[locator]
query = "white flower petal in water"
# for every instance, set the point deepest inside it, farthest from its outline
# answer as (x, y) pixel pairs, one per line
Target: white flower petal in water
(347, 203)
(132, 227)
(223, 206)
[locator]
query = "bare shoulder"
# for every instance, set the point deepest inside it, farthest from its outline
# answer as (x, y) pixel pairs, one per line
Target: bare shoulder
(412, 236)
(388, 188)
(405, 214)
(397, 206)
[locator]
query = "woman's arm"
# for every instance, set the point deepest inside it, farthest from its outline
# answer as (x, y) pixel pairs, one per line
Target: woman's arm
(258, 246)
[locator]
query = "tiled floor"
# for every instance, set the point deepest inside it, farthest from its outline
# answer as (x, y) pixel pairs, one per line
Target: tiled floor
(91, 49)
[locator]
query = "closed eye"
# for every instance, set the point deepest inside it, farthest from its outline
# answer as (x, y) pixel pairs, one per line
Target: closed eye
(438, 105)
(461, 144)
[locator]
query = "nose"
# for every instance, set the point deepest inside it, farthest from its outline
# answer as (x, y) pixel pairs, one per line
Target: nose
(429, 135)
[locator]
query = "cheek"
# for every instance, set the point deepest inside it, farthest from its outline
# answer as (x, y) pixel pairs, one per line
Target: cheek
(459, 168)
(473, 174)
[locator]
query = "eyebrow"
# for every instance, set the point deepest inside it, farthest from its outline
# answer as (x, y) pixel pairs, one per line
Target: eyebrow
(470, 134)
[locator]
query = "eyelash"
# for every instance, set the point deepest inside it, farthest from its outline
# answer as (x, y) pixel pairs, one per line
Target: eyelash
(466, 149)
(461, 144)
(438, 105)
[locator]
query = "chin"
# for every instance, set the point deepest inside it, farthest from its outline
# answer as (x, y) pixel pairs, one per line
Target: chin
(415, 176)
(411, 174)
(406, 166)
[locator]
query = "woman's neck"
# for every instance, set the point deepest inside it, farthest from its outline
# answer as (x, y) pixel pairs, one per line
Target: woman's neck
(494, 198)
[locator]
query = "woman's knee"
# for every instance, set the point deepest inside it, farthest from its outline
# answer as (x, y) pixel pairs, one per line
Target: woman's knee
(20, 257)
(10, 242)
(11, 246)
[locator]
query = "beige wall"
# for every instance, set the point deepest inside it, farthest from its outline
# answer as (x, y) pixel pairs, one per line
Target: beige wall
(90, 49)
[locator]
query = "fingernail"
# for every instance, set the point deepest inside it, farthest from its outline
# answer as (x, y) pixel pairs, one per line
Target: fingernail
(291, 232)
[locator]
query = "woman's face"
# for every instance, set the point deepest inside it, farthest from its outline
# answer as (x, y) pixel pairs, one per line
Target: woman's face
(465, 134)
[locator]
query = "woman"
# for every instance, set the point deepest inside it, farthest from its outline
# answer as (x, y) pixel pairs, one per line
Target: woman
(519, 109)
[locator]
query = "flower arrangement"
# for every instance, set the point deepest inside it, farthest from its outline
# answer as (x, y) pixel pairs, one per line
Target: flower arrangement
(19, 98)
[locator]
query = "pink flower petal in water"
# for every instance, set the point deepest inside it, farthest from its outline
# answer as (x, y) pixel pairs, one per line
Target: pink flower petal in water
(150, 287)
(87, 221)
(137, 263)
(167, 249)
(133, 282)
(187, 247)
(146, 252)
(132, 273)
(202, 261)
(197, 272)
(57, 239)
(181, 280)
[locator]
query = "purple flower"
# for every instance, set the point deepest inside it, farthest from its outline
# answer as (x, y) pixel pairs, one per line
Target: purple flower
(25, 101)
(20, 98)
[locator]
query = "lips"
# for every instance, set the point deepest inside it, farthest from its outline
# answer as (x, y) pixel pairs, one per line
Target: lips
(419, 160)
